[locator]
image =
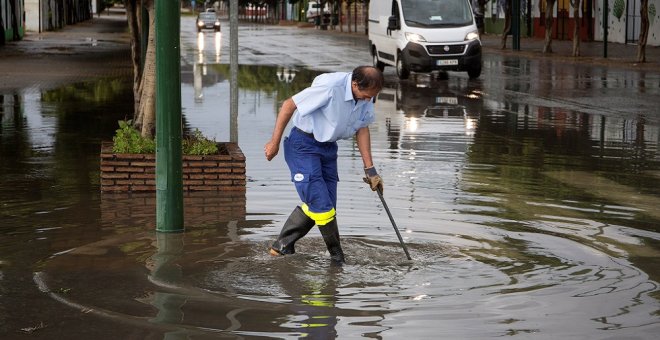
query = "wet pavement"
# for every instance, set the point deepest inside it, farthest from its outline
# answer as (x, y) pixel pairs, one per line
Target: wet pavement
(93, 49)
(528, 200)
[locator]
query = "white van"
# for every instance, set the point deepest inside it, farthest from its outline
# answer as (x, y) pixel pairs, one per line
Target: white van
(424, 36)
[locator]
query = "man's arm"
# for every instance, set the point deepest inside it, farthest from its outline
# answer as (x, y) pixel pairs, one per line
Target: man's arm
(364, 144)
(286, 111)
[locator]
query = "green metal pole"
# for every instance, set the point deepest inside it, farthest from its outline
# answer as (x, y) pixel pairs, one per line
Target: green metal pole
(605, 27)
(169, 182)
(515, 24)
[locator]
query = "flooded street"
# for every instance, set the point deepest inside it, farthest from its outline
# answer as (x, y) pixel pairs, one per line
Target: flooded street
(528, 200)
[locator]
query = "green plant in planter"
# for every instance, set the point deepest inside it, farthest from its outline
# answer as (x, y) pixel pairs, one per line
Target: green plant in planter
(197, 144)
(129, 140)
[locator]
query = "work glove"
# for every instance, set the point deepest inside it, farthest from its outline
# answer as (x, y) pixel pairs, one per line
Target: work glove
(373, 179)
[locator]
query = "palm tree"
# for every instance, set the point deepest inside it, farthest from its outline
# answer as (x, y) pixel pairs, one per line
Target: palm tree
(644, 32)
(144, 71)
(549, 18)
(576, 29)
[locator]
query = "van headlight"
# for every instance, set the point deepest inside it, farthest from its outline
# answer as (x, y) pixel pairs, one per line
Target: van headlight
(414, 37)
(474, 35)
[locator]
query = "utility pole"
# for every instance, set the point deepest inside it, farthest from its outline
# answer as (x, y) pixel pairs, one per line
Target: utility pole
(605, 27)
(515, 24)
(169, 181)
(233, 71)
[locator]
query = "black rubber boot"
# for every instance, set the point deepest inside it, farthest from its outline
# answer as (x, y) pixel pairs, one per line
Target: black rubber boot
(296, 226)
(330, 234)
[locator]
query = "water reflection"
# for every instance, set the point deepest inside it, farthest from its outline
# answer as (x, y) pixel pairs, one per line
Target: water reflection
(165, 272)
(200, 208)
(286, 74)
(593, 141)
(200, 69)
(47, 143)
(415, 110)
(521, 218)
(205, 96)
(203, 57)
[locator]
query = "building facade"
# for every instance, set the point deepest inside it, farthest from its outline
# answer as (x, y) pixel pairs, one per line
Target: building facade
(623, 19)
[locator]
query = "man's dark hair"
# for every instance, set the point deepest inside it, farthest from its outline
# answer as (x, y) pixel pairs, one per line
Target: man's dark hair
(368, 77)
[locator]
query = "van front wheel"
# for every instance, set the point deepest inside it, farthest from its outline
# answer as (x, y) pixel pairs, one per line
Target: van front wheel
(401, 69)
(474, 72)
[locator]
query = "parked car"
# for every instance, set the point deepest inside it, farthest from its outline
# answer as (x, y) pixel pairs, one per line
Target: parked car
(314, 10)
(209, 21)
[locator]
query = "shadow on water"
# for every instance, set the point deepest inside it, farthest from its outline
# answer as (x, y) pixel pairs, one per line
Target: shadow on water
(521, 218)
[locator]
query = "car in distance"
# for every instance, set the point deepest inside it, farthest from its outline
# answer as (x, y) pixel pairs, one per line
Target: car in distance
(209, 21)
(314, 10)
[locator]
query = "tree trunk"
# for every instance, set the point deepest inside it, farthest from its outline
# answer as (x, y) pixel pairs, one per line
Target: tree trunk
(550, 5)
(60, 10)
(147, 112)
(482, 11)
(2, 28)
(353, 16)
(644, 32)
(506, 7)
(348, 16)
(576, 29)
(14, 20)
(341, 21)
(50, 16)
(132, 15)
(335, 15)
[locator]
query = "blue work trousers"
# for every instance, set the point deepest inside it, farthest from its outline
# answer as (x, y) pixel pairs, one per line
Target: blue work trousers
(313, 168)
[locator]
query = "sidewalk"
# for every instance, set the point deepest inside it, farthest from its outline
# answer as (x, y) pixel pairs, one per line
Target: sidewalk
(95, 48)
(618, 55)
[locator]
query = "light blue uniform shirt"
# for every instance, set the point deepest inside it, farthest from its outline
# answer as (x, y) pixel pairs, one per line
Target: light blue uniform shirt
(327, 108)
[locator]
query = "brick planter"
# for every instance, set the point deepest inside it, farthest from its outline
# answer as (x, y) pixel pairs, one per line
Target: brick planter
(224, 171)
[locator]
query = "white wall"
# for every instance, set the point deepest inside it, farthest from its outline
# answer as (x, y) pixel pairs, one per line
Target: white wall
(617, 18)
(617, 21)
(32, 16)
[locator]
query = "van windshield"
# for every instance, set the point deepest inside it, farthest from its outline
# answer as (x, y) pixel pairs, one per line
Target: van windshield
(436, 13)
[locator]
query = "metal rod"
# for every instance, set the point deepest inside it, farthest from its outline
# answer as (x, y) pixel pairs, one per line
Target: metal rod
(396, 229)
(605, 26)
(233, 71)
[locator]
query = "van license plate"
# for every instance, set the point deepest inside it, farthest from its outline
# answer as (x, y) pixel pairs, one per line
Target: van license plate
(446, 62)
(446, 100)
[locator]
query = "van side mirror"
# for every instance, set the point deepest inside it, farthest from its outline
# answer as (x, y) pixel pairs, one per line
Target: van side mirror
(393, 23)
